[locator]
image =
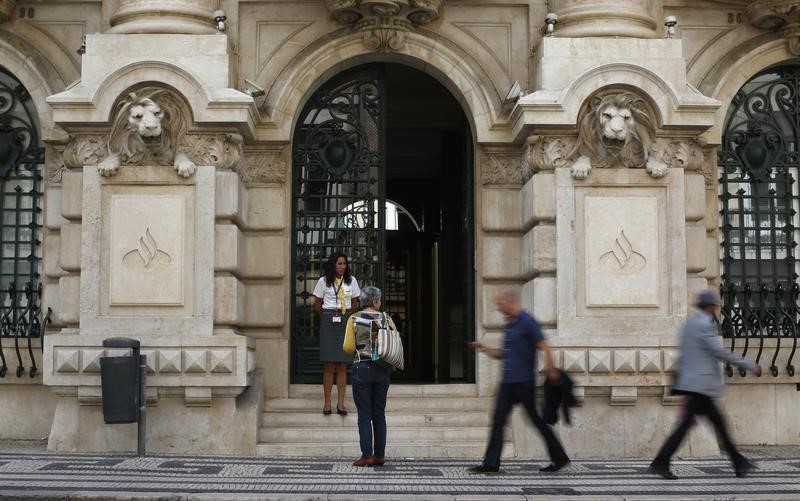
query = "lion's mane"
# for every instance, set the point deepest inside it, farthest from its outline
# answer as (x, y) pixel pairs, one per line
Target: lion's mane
(638, 139)
(125, 141)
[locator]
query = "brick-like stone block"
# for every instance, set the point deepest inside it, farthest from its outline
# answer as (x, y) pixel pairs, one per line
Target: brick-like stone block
(227, 250)
(227, 195)
(500, 209)
(72, 194)
(695, 197)
(70, 249)
(265, 305)
(265, 208)
(545, 302)
(695, 248)
(502, 257)
(538, 199)
(264, 256)
(228, 300)
(69, 299)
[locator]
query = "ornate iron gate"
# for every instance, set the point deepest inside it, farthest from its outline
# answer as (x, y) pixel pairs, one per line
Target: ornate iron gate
(338, 198)
(21, 160)
(759, 165)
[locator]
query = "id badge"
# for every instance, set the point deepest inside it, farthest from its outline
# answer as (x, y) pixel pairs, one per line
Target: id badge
(337, 320)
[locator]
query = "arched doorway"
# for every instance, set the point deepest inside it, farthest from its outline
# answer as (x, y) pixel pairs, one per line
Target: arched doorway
(382, 170)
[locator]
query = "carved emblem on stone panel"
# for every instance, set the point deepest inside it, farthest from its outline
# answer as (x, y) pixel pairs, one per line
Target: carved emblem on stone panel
(622, 259)
(504, 167)
(263, 166)
(616, 131)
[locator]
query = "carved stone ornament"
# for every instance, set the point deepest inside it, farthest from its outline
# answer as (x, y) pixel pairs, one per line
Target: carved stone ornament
(223, 151)
(384, 23)
(148, 128)
(782, 15)
(7, 9)
(263, 166)
(548, 153)
(84, 150)
(504, 166)
(616, 131)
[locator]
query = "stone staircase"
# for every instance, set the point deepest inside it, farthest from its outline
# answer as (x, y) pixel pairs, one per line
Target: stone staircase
(423, 421)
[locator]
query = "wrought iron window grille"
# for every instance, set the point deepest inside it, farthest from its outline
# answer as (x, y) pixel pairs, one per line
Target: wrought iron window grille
(21, 162)
(759, 167)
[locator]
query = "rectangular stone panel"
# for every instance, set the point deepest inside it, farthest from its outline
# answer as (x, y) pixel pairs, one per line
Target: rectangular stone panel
(147, 249)
(621, 254)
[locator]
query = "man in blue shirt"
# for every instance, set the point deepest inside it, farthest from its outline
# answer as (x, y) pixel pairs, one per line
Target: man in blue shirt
(522, 338)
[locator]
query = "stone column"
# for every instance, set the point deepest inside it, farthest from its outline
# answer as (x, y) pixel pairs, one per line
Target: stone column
(608, 18)
(193, 17)
(7, 8)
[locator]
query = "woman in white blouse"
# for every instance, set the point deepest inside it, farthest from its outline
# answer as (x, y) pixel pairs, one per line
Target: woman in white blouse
(336, 298)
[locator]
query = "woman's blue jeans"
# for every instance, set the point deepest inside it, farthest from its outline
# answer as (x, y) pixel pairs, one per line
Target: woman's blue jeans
(370, 387)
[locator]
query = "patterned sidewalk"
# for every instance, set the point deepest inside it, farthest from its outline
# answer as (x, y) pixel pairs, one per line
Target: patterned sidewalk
(33, 474)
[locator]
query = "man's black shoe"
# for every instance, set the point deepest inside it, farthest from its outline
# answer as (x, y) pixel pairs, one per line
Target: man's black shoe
(744, 468)
(553, 467)
(484, 469)
(663, 471)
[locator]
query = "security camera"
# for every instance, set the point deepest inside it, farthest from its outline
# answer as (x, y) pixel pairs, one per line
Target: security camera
(253, 90)
(550, 20)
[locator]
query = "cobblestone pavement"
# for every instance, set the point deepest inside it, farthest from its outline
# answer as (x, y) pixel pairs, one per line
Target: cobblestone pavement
(27, 472)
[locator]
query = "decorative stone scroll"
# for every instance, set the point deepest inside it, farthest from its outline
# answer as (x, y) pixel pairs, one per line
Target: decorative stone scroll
(548, 153)
(384, 23)
(781, 15)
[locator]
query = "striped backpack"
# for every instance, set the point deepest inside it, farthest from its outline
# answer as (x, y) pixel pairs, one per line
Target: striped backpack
(387, 349)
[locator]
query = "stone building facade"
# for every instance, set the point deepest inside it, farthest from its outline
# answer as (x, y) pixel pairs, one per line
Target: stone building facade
(191, 164)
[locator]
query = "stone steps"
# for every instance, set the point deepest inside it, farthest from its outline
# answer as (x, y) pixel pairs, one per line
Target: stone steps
(424, 421)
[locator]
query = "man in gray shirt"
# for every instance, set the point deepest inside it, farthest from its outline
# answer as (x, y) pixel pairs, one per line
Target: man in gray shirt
(700, 379)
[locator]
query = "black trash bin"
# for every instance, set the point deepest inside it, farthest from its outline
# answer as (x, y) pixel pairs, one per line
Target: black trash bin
(119, 378)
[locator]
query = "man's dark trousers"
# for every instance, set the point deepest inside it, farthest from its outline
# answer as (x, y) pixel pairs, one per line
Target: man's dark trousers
(509, 395)
(698, 404)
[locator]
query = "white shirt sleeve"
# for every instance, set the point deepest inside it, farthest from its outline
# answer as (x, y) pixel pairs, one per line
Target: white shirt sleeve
(319, 290)
(355, 290)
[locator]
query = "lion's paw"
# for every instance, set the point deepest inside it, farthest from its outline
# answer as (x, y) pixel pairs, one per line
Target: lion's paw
(109, 166)
(580, 169)
(185, 167)
(656, 168)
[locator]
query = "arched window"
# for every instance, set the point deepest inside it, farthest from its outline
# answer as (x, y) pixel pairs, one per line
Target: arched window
(759, 167)
(21, 161)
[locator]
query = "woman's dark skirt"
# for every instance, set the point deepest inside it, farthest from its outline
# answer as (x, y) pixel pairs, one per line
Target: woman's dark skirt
(331, 337)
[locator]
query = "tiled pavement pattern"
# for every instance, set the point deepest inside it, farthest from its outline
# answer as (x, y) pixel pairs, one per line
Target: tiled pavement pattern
(26, 474)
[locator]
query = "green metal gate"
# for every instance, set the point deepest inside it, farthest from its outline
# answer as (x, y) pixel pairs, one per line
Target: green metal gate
(338, 198)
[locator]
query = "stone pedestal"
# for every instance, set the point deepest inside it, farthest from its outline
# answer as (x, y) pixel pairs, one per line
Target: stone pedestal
(159, 16)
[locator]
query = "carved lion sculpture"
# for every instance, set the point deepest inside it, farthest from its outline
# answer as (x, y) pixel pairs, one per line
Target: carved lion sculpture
(616, 132)
(147, 130)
